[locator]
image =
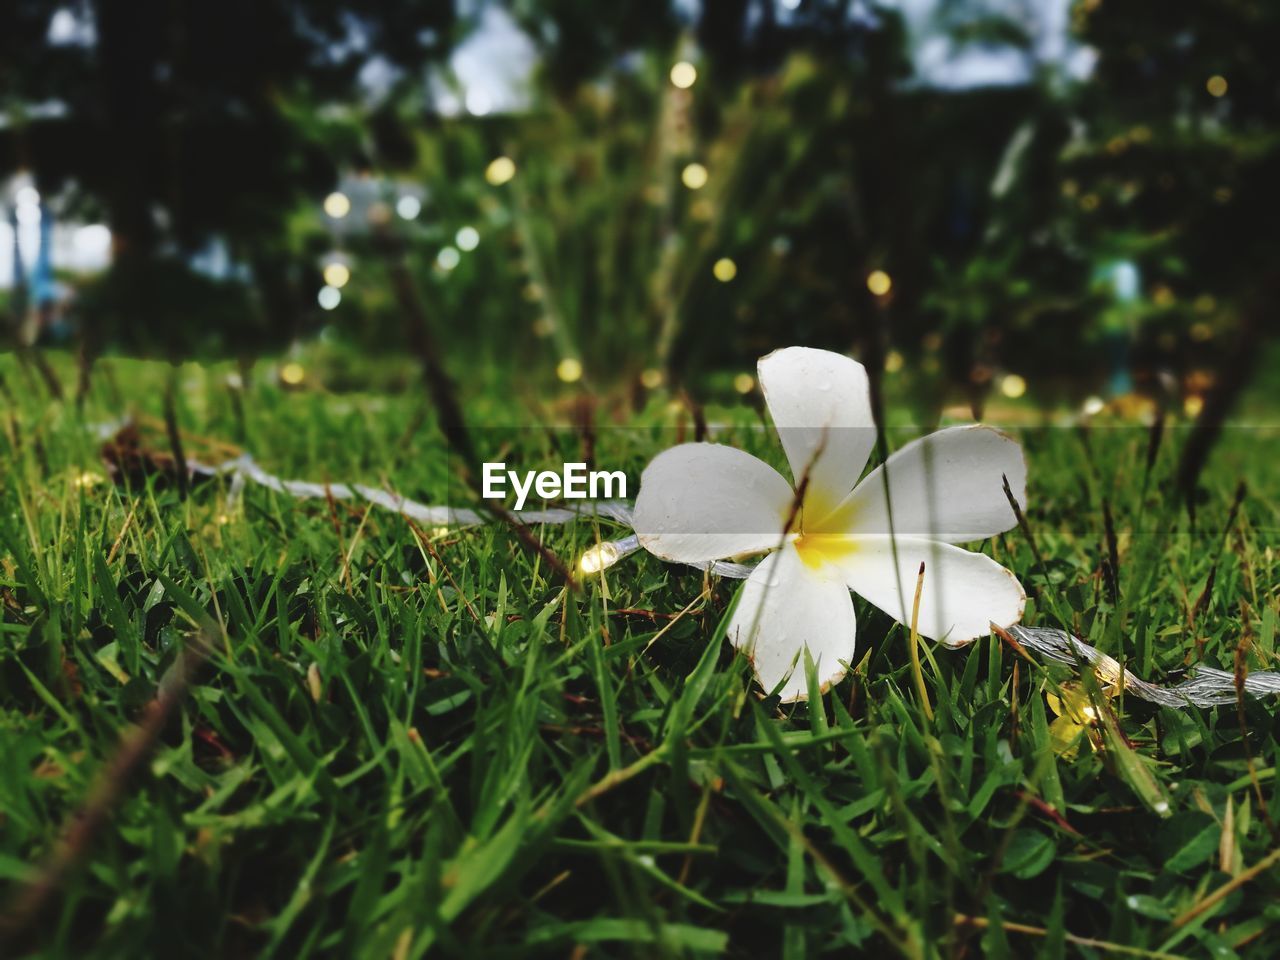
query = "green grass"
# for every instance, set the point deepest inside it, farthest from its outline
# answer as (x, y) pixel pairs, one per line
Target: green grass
(398, 749)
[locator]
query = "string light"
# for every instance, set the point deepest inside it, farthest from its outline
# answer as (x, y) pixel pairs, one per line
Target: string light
(694, 176)
(600, 557)
(879, 282)
(500, 170)
(725, 269)
(569, 370)
(337, 274)
(337, 205)
(684, 75)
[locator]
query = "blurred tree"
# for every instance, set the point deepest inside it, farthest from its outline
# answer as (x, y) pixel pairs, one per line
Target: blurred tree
(1175, 166)
(186, 124)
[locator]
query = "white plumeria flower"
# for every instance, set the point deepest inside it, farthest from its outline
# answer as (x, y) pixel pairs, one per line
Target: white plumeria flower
(700, 502)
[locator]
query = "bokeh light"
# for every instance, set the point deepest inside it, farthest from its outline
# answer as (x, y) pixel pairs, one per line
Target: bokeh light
(725, 269)
(337, 274)
(292, 374)
(1013, 386)
(1216, 85)
(448, 258)
(467, 238)
(879, 282)
(684, 75)
(408, 207)
(337, 205)
(479, 103)
(500, 170)
(744, 383)
(694, 176)
(569, 370)
(329, 298)
(651, 379)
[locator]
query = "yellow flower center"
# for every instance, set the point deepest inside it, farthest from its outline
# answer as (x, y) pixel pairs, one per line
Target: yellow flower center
(818, 549)
(824, 540)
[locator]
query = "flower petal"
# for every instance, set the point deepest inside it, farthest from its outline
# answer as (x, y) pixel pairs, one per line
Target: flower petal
(821, 405)
(706, 501)
(785, 607)
(946, 486)
(963, 592)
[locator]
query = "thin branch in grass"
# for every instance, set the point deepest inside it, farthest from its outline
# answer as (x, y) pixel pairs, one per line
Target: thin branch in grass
(530, 540)
(1228, 888)
(1023, 525)
(1113, 553)
(37, 359)
(1202, 602)
(1240, 674)
(1155, 438)
(425, 542)
(982, 923)
(124, 529)
(1048, 810)
(584, 422)
(695, 834)
(1236, 372)
(444, 398)
(423, 343)
(1011, 642)
(82, 828)
(647, 614)
(697, 413)
(616, 778)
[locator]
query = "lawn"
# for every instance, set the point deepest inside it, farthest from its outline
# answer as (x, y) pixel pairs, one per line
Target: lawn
(405, 740)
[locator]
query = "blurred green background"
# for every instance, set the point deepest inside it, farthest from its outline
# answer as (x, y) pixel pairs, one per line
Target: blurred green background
(1074, 199)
